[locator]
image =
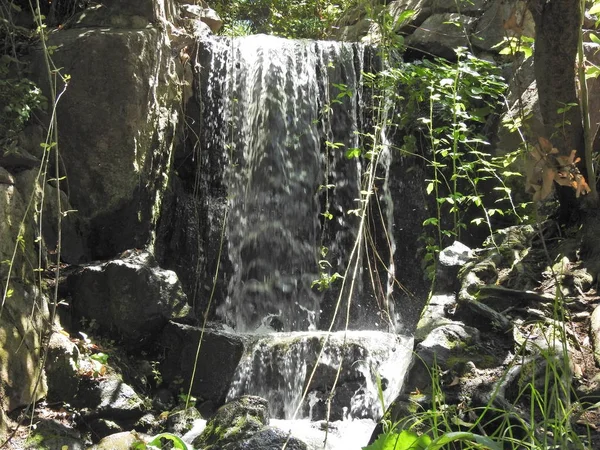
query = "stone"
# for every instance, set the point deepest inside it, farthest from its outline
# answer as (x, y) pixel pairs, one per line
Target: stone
(21, 379)
(16, 159)
(72, 245)
(442, 348)
(101, 428)
(233, 422)
(450, 260)
(50, 434)
(130, 298)
(131, 15)
(269, 438)
(117, 125)
(207, 15)
(61, 369)
(595, 333)
(110, 397)
(6, 177)
(120, 441)
(439, 35)
(490, 30)
(218, 359)
(181, 420)
(435, 314)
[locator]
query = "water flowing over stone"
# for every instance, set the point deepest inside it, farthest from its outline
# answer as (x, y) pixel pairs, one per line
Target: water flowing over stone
(279, 367)
(281, 114)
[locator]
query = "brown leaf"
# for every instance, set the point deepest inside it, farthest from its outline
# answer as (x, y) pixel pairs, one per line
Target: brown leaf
(512, 24)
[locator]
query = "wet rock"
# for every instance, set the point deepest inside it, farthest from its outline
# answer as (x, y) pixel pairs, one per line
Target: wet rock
(269, 438)
(131, 298)
(219, 356)
(163, 400)
(234, 422)
(18, 159)
(148, 423)
(278, 367)
(61, 369)
(181, 421)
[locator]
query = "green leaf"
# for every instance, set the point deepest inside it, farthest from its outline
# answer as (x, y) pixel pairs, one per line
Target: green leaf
(595, 9)
(178, 444)
(448, 438)
(595, 39)
(405, 440)
(353, 153)
(429, 188)
(100, 357)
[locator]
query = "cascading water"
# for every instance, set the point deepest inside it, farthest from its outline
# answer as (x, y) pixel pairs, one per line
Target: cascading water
(282, 114)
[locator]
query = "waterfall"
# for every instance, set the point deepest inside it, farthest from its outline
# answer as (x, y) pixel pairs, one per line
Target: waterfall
(278, 120)
(283, 113)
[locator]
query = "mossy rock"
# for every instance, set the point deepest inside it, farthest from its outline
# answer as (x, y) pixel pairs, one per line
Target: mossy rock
(235, 421)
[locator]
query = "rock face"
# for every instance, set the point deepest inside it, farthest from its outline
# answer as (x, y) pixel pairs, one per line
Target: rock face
(219, 356)
(131, 298)
(118, 119)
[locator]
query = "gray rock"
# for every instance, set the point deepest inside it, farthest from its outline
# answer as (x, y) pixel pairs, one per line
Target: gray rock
(61, 369)
(18, 159)
(101, 428)
(51, 434)
(109, 397)
(490, 29)
(206, 15)
(444, 347)
(181, 421)
(234, 422)
(219, 356)
(595, 333)
(131, 298)
(451, 259)
(439, 35)
(117, 125)
(120, 441)
(269, 438)
(435, 314)
(6, 177)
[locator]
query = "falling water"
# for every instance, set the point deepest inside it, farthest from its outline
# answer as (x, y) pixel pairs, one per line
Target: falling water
(285, 112)
(280, 115)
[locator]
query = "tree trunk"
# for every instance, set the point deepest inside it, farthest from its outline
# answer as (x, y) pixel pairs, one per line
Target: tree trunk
(557, 27)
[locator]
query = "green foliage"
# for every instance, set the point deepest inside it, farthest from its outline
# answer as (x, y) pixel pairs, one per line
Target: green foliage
(162, 440)
(442, 108)
(19, 97)
(286, 18)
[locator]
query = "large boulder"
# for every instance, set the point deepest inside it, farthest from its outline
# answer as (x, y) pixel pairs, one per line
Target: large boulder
(235, 421)
(118, 117)
(219, 355)
(130, 298)
(21, 332)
